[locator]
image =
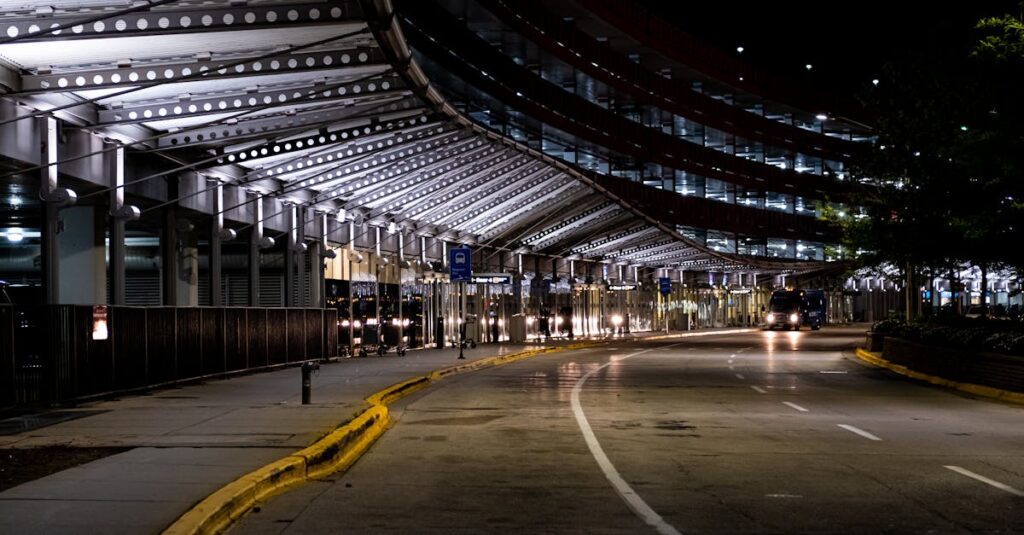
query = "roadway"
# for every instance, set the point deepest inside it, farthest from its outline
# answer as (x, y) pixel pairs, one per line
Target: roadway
(765, 432)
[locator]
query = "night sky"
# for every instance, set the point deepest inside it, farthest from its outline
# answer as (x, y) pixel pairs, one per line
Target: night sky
(846, 42)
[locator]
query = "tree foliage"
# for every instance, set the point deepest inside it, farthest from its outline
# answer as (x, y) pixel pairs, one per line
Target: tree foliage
(944, 181)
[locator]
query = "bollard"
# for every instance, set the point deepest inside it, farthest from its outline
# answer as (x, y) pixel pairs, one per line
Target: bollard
(307, 380)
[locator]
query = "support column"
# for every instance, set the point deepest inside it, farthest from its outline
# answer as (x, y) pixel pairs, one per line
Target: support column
(302, 298)
(117, 264)
(255, 237)
(289, 259)
(82, 254)
(216, 258)
(188, 265)
(316, 266)
(49, 250)
(169, 252)
(120, 214)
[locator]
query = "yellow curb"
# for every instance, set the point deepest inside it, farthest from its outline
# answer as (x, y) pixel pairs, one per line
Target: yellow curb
(395, 391)
(336, 451)
(970, 388)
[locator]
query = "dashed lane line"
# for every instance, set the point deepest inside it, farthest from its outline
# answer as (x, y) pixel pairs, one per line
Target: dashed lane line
(740, 376)
(795, 406)
(985, 480)
(859, 431)
(632, 499)
(758, 389)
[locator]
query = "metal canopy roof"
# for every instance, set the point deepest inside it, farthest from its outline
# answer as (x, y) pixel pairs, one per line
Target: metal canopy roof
(302, 94)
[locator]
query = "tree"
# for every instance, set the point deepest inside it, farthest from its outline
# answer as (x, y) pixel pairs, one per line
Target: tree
(944, 181)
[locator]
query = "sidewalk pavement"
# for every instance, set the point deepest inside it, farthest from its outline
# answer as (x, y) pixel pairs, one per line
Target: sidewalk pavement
(188, 442)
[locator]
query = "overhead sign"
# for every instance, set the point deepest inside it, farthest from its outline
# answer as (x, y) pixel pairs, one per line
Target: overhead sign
(492, 278)
(460, 260)
(621, 287)
(665, 285)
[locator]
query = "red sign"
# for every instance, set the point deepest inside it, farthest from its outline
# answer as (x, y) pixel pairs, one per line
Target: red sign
(100, 329)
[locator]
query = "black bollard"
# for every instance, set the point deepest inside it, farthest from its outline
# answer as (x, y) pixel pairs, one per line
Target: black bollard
(307, 381)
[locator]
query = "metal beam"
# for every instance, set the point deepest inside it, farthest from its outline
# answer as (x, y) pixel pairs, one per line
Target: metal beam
(234, 130)
(360, 183)
(570, 222)
(170, 21)
(423, 185)
(501, 224)
(335, 156)
(260, 98)
(220, 68)
(633, 234)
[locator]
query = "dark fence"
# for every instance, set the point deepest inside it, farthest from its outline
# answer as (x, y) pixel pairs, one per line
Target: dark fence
(987, 369)
(48, 355)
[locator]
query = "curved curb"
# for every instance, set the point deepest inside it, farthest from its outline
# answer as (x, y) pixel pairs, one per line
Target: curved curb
(336, 451)
(970, 388)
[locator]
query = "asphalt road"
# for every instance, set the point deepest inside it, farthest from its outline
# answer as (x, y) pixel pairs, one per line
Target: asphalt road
(766, 432)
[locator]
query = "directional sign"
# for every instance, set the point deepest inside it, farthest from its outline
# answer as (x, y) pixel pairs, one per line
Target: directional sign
(665, 285)
(492, 278)
(460, 260)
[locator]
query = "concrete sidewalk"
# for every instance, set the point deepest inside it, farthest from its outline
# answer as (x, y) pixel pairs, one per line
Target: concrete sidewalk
(190, 441)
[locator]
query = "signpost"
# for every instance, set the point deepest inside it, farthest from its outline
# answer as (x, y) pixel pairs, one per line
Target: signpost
(665, 286)
(460, 260)
(460, 264)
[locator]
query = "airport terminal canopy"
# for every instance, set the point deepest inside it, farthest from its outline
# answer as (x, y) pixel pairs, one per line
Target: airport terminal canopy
(315, 104)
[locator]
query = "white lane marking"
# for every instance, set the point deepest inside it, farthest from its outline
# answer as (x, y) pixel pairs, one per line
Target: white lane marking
(759, 390)
(859, 431)
(783, 496)
(731, 367)
(740, 376)
(831, 371)
(732, 356)
(632, 499)
(985, 480)
(795, 406)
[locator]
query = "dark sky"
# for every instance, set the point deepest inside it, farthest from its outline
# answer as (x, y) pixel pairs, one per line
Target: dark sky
(844, 41)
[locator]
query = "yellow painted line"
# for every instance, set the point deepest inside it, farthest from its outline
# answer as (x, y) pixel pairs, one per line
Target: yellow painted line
(970, 388)
(336, 451)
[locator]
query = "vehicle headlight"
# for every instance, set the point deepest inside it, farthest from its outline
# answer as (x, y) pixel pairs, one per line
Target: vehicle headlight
(770, 318)
(793, 318)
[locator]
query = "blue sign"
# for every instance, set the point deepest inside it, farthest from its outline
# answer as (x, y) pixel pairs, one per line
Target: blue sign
(460, 261)
(665, 284)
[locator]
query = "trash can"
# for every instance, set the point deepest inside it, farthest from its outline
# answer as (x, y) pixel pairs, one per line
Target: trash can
(517, 329)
